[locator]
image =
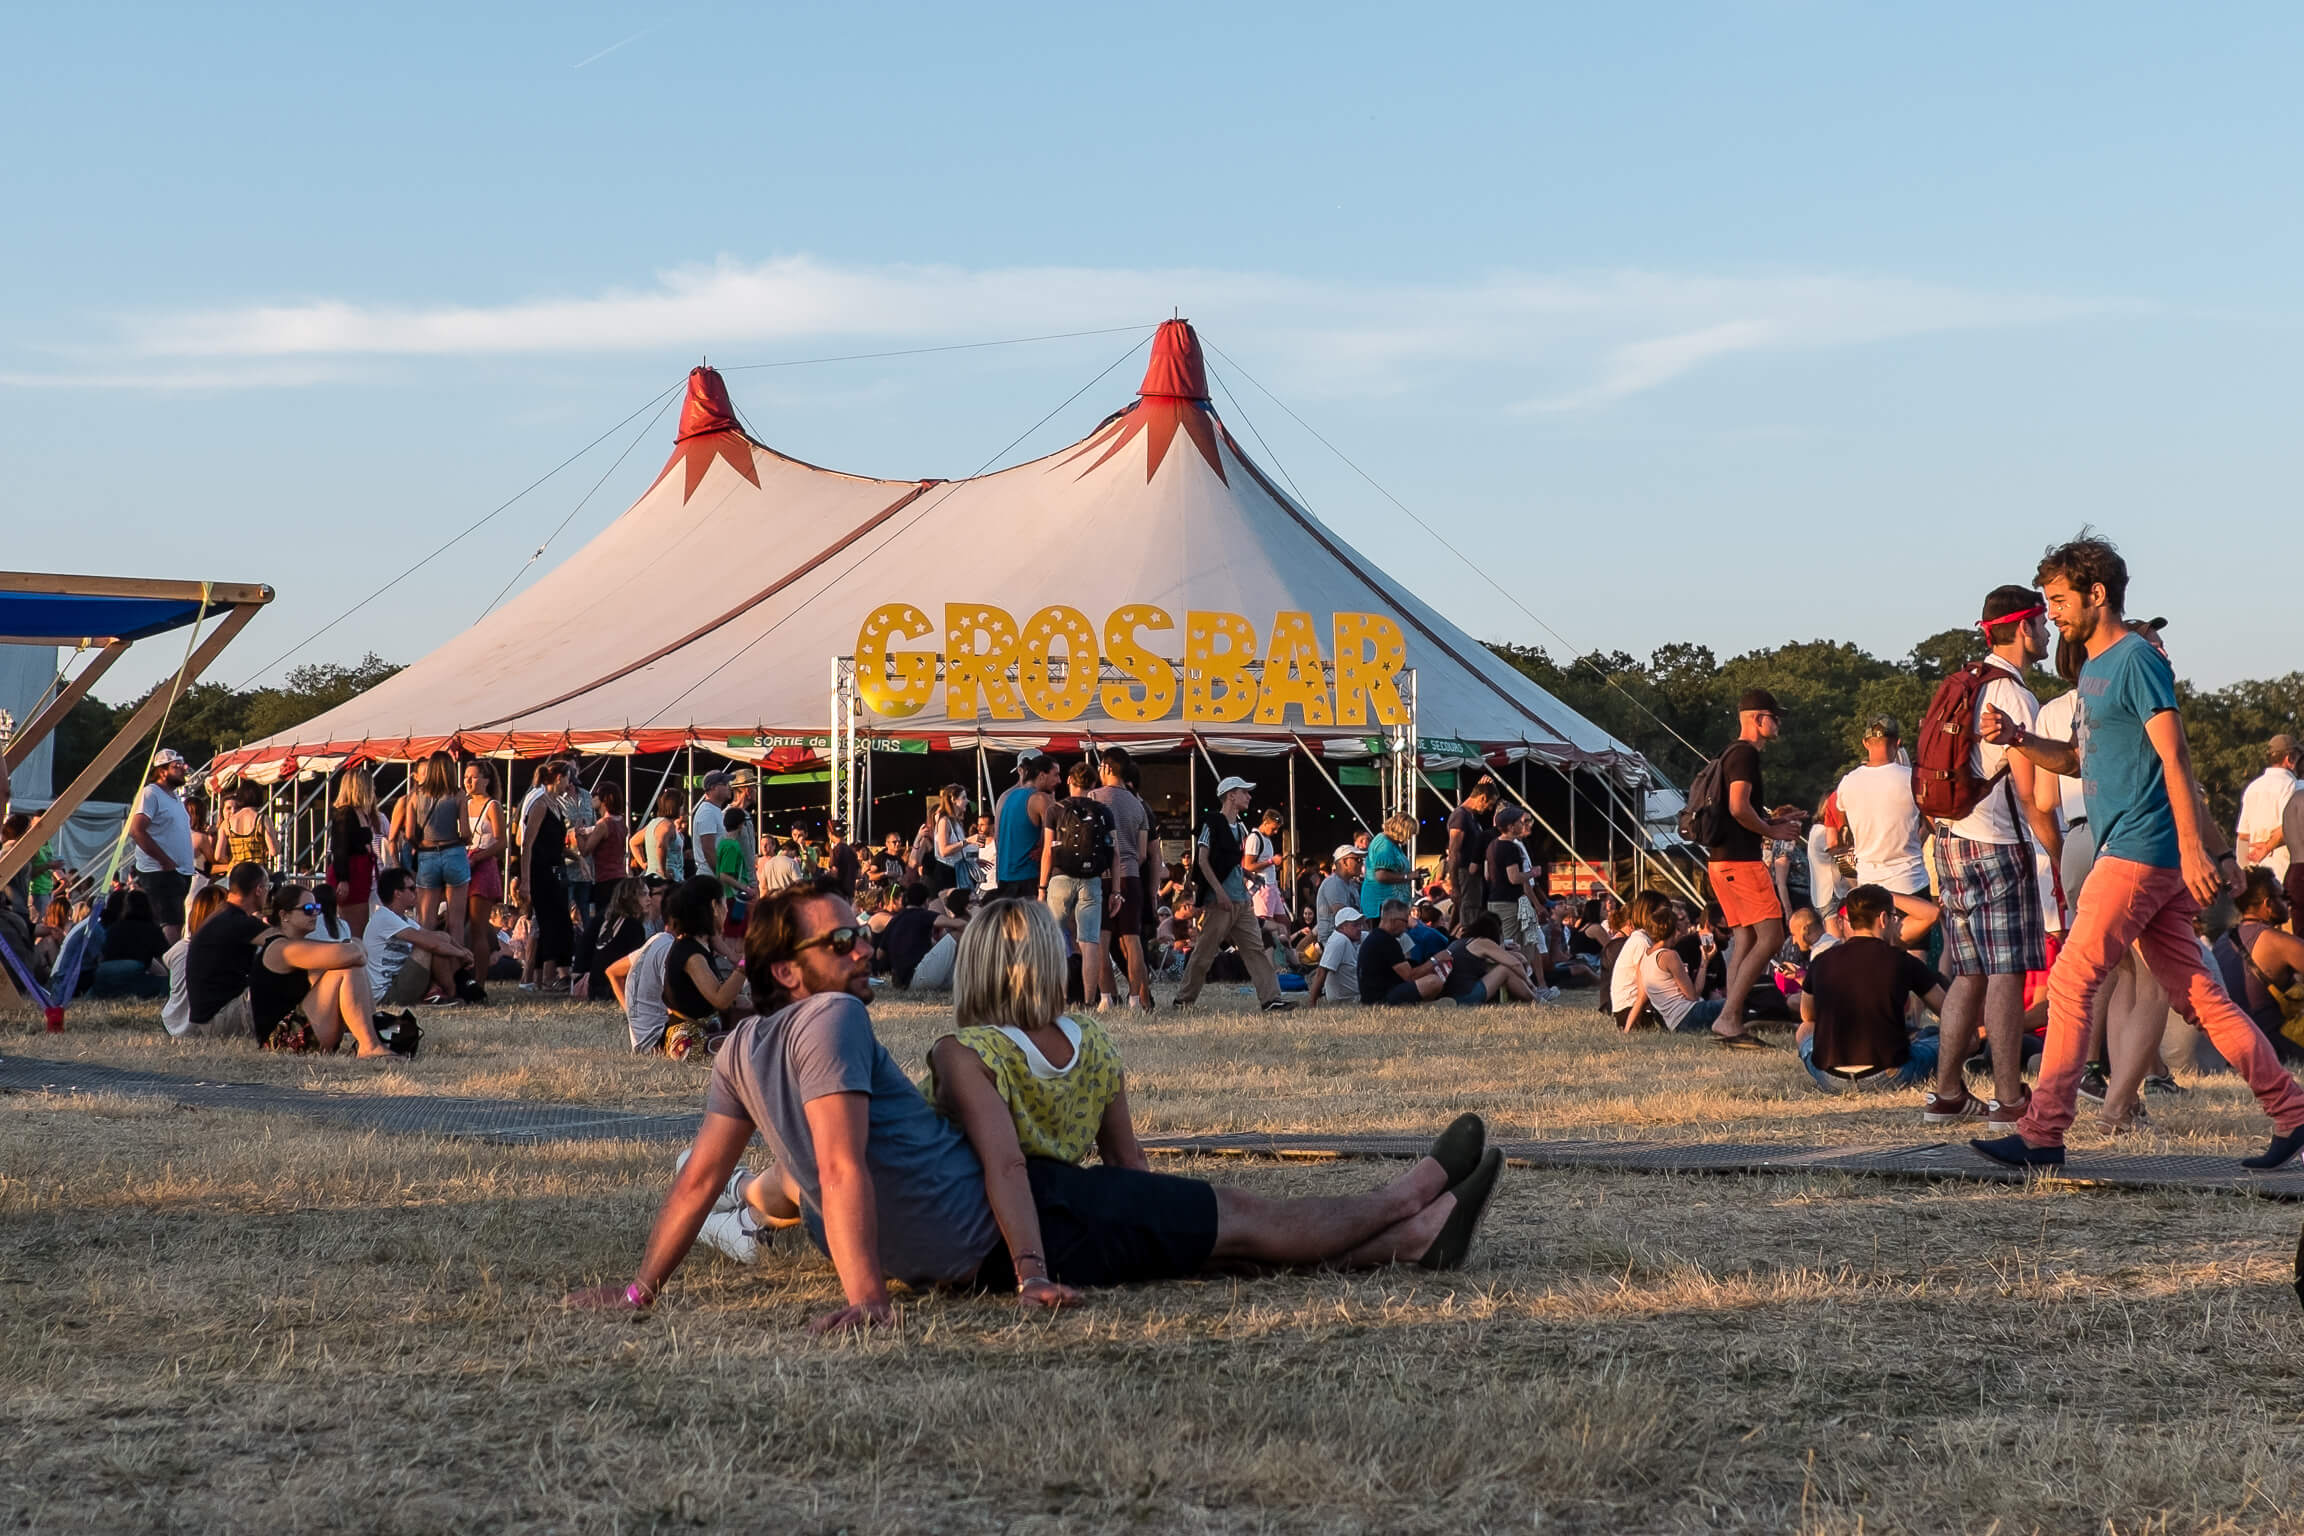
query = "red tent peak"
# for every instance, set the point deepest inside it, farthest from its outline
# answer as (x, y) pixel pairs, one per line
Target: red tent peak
(706, 408)
(708, 431)
(1176, 371)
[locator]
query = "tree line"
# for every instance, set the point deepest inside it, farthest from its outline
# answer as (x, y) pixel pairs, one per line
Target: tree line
(1679, 707)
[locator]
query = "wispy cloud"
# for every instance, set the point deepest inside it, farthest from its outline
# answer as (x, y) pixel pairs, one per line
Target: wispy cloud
(1573, 342)
(181, 381)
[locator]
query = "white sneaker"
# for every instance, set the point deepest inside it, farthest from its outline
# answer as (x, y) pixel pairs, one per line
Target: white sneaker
(732, 1234)
(731, 1196)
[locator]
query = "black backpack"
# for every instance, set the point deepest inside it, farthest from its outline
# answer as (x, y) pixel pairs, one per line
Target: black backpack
(1083, 831)
(1705, 819)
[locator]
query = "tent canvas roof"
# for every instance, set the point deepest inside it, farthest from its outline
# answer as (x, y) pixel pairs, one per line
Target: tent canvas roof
(713, 608)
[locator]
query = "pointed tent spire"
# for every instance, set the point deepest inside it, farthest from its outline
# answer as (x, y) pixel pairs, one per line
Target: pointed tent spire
(707, 408)
(1175, 399)
(708, 431)
(1176, 371)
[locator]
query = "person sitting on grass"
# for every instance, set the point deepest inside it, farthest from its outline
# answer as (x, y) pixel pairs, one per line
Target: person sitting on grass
(1627, 1001)
(1663, 977)
(889, 1189)
(395, 977)
(1481, 969)
(176, 1013)
(1336, 971)
(1388, 975)
(699, 1000)
(305, 994)
(1853, 1011)
(637, 981)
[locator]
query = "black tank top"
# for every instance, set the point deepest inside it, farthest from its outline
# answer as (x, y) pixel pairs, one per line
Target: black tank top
(272, 996)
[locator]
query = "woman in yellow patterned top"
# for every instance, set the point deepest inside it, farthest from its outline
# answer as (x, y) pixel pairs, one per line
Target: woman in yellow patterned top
(1021, 1079)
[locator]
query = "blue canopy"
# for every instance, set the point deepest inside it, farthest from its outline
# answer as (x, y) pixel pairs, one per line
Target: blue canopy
(58, 616)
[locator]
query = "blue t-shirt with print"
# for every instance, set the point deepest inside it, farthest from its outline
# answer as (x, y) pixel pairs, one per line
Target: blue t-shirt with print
(2120, 773)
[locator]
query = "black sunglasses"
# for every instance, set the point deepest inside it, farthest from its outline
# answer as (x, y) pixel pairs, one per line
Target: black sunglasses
(311, 907)
(840, 941)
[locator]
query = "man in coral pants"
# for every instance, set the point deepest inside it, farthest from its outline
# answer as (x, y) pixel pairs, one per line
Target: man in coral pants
(2152, 870)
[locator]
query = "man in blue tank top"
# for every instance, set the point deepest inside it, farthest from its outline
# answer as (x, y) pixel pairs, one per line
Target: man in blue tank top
(1019, 820)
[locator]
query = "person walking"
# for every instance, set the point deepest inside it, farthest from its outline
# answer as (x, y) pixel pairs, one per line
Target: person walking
(1994, 928)
(1741, 881)
(1078, 854)
(1019, 820)
(1226, 917)
(2153, 871)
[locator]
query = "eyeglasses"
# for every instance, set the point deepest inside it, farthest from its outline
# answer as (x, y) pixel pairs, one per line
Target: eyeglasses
(840, 941)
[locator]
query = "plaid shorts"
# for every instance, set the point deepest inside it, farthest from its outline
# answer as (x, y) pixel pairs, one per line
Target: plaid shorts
(1991, 897)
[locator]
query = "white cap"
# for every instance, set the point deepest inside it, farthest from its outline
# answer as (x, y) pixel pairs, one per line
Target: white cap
(169, 755)
(1349, 851)
(1228, 785)
(1348, 915)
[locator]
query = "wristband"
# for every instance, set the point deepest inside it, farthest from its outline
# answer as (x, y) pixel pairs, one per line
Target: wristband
(639, 1297)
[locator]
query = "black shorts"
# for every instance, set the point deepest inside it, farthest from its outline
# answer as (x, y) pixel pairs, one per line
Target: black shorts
(166, 889)
(1112, 1226)
(1128, 917)
(1021, 890)
(1402, 995)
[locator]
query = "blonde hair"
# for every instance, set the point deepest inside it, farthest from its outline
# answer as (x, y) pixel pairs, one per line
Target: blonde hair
(1010, 968)
(357, 791)
(1401, 828)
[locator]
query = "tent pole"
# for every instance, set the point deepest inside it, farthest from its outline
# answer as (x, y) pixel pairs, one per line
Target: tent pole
(1192, 791)
(1322, 769)
(1295, 843)
(627, 786)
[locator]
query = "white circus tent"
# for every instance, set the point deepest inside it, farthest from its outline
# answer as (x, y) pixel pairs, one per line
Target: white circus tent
(734, 604)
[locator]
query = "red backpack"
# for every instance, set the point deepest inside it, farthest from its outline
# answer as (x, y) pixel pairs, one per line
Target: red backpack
(1945, 783)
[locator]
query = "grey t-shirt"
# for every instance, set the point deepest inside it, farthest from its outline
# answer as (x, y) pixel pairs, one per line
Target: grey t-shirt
(935, 1223)
(1335, 894)
(1129, 821)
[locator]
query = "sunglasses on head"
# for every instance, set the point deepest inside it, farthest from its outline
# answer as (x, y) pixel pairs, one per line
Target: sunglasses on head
(840, 941)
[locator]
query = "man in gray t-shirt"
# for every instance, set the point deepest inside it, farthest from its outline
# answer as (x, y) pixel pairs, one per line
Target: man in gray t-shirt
(935, 1225)
(1131, 845)
(886, 1187)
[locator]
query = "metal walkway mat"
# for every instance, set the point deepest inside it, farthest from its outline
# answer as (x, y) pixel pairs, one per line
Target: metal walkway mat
(525, 1122)
(1922, 1160)
(511, 1121)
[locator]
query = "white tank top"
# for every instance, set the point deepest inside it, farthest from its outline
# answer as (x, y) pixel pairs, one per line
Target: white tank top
(1668, 1000)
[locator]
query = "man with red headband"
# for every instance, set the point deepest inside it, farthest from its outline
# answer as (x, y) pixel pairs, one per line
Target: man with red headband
(1994, 930)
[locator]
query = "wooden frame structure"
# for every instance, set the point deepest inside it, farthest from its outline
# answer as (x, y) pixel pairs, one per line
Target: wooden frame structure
(234, 603)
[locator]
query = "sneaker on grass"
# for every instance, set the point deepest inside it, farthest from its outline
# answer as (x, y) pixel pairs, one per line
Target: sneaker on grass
(731, 1232)
(2093, 1085)
(1939, 1110)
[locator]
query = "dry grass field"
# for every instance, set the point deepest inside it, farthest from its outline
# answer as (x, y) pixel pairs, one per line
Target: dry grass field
(226, 1321)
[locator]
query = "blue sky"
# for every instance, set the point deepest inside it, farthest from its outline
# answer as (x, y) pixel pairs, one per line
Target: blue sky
(1736, 324)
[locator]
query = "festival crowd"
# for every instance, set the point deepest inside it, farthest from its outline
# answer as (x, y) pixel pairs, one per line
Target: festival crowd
(2029, 888)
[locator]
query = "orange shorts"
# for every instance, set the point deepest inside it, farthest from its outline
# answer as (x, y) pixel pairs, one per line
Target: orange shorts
(1745, 892)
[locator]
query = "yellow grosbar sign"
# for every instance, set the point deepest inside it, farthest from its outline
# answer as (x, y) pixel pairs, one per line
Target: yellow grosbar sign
(1055, 664)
